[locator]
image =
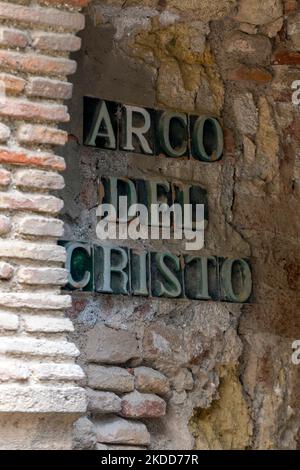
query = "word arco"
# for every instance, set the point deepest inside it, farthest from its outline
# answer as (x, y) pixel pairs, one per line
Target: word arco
(113, 126)
(115, 270)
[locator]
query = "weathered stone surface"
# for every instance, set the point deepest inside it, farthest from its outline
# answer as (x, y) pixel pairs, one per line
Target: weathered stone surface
(210, 427)
(294, 30)
(43, 276)
(103, 402)
(13, 371)
(150, 381)
(39, 323)
(121, 431)
(246, 114)
(251, 49)
(38, 399)
(36, 431)
(267, 143)
(272, 29)
(4, 132)
(183, 380)
(37, 134)
(49, 88)
(41, 226)
(36, 251)
(111, 447)
(40, 17)
(84, 436)
(5, 177)
(24, 157)
(110, 346)
(9, 321)
(38, 179)
(142, 405)
(168, 88)
(55, 42)
(257, 12)
(6, 270)
(101, 447)
(114, 379)
(35, 301)
(13, 84)
(58, 372)
(5, 224)
(37, 347)
(12, 37)
(19, 201)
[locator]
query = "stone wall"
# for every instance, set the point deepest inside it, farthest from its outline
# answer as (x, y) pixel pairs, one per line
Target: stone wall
(164, 374)
(231, 381)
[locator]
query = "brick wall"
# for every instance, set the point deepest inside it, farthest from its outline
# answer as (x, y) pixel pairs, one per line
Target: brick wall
(37, 370)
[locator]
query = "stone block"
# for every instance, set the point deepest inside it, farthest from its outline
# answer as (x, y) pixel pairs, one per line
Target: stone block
(113, 379)
(150, 381)
(103, 402)
(120, 431)
(110, 346)
(142, 405)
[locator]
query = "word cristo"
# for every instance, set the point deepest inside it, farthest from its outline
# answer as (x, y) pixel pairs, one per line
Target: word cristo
(114, 126)
(115, 270)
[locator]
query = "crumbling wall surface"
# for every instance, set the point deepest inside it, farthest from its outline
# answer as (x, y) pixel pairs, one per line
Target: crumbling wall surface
(174, 374)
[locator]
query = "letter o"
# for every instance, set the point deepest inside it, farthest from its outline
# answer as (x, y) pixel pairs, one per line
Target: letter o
(207, 139)
(226, 278)
(164, 126)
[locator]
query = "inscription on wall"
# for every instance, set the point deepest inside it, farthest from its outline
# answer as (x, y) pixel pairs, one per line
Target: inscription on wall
(115, 270)
(111, 269)
(114, 126)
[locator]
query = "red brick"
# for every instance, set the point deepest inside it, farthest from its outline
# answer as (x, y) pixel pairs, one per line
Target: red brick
(28, 133)
(36, 63)
(251, 74)
(20, 109)
(34, 202)
(47, 88)
(55, 42)
(142, 405)
(39, 16)
(13, 85)
(38, 179)
(291, 6)
(284, 57)
(43, 160)
(13, 37)
(5, 177)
